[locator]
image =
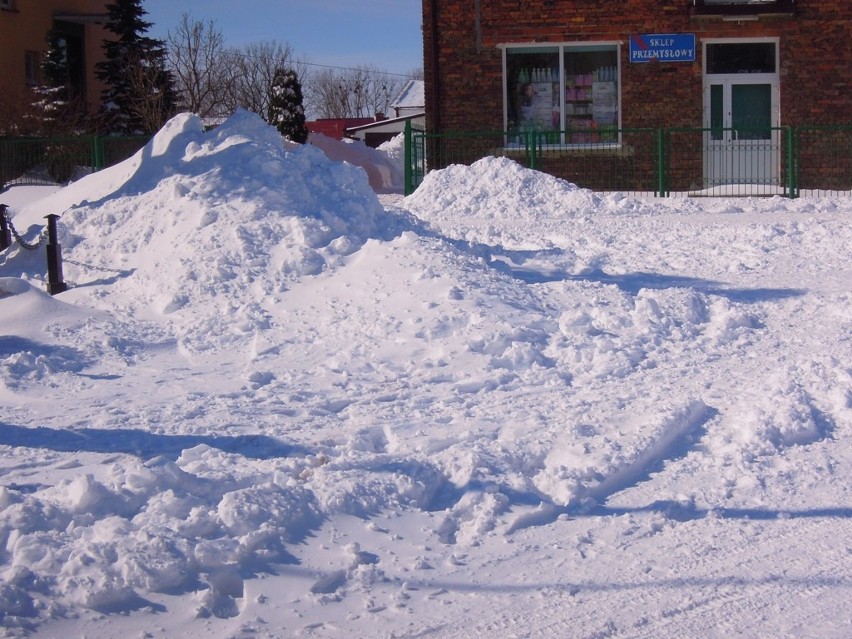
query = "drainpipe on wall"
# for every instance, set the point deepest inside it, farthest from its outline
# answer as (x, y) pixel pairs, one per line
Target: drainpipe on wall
(436, 68)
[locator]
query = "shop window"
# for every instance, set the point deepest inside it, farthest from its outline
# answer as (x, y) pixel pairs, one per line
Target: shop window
(567, 93)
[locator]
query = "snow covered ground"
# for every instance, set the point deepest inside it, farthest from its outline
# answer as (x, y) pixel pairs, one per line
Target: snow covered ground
(272, 404)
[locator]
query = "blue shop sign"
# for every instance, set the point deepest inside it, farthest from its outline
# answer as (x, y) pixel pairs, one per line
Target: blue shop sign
(665, 47)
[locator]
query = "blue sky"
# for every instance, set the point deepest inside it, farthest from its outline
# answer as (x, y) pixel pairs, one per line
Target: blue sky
(381, 33)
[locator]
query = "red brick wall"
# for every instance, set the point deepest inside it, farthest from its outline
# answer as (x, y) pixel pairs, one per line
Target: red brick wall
(25, 27)
(463, 61)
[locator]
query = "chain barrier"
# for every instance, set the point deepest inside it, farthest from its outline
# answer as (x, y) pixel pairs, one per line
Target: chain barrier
(7, 223)
(53, 249)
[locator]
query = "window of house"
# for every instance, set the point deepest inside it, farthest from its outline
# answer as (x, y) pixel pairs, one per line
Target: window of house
(31, 68)
(567, 93)
(7, 4)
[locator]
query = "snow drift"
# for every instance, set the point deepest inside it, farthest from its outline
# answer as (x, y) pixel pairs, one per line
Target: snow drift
(270, 405)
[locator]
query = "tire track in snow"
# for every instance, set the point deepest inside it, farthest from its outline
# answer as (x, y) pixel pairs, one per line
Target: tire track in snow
(733, 593)
(720, 595)
(673, 439)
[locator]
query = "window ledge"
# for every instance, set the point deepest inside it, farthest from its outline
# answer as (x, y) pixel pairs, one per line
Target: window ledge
(733, 10)
(557, 150)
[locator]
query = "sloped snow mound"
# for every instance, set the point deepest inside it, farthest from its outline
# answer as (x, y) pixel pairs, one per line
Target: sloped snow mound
(500, 188)
(246, 160)
(233, 213)
(138, 173)
(394, 148)
(27, 351)
(383, 171)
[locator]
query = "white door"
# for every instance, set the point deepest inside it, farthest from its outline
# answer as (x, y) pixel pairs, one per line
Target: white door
(741, 116)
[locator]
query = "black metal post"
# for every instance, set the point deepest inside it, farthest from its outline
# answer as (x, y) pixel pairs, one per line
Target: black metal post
(5, 233)
(54, 258)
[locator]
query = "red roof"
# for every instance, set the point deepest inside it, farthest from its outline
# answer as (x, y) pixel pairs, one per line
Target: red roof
(336, 127)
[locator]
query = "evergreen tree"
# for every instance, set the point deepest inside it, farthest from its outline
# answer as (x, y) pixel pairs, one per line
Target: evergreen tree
(139, 94)
(286, 111)
(52, 105)
(54, 66)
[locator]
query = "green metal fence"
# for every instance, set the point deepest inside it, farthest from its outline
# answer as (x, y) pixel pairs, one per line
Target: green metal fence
(757, 161)
(821, 160)
(55, 160)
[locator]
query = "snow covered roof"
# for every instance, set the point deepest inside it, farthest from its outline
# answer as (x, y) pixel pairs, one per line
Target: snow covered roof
(411, 96)
(387, 122)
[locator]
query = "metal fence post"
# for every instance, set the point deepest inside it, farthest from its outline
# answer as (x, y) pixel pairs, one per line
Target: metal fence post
(791, 163)
(662, 169)
(54, 258)
(531, 149)
(5, 233)
(97, 153)
(407, 159)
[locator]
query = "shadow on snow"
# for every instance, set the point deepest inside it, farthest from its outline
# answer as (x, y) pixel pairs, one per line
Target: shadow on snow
(515, 263)
(143, 444)
(632, 283)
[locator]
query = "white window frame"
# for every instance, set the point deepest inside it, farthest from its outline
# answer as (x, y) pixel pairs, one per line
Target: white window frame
(563, 48)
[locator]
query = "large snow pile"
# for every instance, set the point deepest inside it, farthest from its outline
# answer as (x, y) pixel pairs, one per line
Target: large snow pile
(230, 216)
(268, 405)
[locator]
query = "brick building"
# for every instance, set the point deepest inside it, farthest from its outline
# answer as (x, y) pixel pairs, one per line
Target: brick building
(24, 25)
(591, 69)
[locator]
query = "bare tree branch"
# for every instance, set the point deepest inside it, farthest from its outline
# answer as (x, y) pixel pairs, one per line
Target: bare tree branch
(352, 93)
(256, 65)
(196, 56)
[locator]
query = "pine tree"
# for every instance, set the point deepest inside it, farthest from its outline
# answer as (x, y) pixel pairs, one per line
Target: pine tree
(52, 105)
(286, 111)
(139, 95)
(54, 66)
